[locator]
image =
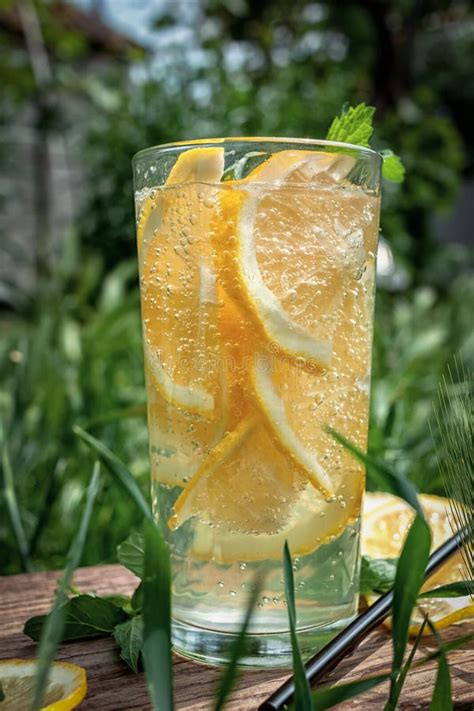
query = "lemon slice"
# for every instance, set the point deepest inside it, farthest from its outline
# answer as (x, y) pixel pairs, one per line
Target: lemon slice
(66, 687)
(385, 523)
(273, 406)
(176, 276)
(286, 255)
(249, 496)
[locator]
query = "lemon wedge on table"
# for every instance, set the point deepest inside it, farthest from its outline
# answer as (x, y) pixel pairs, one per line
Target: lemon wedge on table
(66, 687)
(385, 523)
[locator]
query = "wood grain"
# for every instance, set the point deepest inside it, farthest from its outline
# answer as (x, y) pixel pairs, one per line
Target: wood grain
(112, 687)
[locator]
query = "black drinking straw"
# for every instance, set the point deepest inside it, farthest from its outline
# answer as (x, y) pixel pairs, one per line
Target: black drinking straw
(350, 637)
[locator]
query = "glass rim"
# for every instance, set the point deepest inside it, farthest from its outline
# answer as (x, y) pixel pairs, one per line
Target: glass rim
(211, 142)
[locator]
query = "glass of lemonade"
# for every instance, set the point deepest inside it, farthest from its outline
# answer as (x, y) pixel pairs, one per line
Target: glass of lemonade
(257, 275)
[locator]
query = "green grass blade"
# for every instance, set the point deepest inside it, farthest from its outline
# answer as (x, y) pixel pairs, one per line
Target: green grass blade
(447, 647)
(229, 675)
(460, 589)
(303, 698)
(442, 698)
(408, 581)
(382, 475)
(117, 468)
(157, 619)
(398, 684)
(453, 433)
(14, 509)
(53, 628)
(327, 698)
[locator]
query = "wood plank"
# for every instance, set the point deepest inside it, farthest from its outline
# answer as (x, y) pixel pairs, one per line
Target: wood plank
(113, 687)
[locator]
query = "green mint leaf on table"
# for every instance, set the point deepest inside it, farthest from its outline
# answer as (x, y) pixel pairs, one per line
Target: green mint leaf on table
(85, 616)
(2, 695)
(377, 575)
(229, 675)
(392, 168)
(408, 581)
(353, 125)
(129, 637)
(156, 648)
(303, 698)
(462, 588)
(328, 697)
(118, 469)
(130, 553)
(53, 628)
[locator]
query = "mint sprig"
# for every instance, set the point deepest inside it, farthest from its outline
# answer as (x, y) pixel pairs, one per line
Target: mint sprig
(355, 125)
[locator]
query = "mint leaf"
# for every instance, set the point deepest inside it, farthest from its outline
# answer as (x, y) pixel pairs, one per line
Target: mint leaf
(137, 598)
(85, 616)
(129, 637)
(354, 125)
(130, 553)
(377, 575)
(392, 168)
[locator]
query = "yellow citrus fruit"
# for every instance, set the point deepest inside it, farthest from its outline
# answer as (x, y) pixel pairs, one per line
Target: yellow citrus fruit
(275, 254)
(249, 496)
(179, 298)
(65, 690)
(186, 389)
(385, 523)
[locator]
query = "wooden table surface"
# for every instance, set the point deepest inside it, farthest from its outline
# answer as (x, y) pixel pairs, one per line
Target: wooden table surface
(113, 687)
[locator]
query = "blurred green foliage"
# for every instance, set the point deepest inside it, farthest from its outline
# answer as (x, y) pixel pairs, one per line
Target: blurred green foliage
(72, 346)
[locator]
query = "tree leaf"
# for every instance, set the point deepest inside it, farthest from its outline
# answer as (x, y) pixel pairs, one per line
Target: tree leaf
(330, 696)
(53, 629)
(157, 619)
(117, 468)
(130, 553)
(459, 589)
(85, 616)
(392, 167)
(408, 581)
(384, 477)
(377, 575)
(129, 637)
(228, 678)
(303, 699)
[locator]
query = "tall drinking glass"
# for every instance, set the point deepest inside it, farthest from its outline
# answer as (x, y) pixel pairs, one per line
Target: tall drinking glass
(257, 274)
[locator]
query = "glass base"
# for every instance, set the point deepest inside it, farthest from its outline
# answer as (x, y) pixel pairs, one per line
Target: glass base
(263, 651)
